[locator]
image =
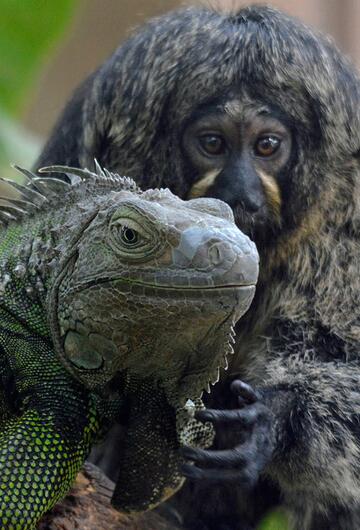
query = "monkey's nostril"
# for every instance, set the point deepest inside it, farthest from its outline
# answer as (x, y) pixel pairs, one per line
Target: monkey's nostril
(215, 254)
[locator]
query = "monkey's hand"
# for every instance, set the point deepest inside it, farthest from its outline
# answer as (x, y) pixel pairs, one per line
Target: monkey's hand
(252, 423)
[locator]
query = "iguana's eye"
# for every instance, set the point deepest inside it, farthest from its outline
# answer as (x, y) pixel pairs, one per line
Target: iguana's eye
(129, 236)
(132, 234)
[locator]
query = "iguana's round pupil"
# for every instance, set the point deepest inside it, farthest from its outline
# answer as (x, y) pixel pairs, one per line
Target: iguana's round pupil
(129, 236)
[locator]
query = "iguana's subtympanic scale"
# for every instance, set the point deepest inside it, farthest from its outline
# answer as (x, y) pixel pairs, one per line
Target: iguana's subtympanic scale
(114, 303)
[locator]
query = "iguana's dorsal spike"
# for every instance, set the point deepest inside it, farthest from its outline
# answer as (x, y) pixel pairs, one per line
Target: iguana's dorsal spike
(73, 179)
(100, 175)
(41, 189)
(53, 185)
(99, 170)
(108, 175)
(113, 177)
(6, 217)
(84, 174)
(13, 210)
(32, 178)
(26, 192)
(23, 205)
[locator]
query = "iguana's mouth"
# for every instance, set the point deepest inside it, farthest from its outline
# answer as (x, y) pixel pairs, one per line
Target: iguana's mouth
(93, 282)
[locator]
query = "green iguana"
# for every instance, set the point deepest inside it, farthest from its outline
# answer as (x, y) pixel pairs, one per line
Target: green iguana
(114, 303)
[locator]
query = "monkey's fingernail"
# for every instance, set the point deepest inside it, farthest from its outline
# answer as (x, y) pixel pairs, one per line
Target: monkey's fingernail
(241, 402)
(190, 471)
(244, 391)
(204, 415)
(188, 453)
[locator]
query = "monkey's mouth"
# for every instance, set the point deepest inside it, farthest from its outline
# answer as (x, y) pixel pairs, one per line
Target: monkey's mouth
(259, 226)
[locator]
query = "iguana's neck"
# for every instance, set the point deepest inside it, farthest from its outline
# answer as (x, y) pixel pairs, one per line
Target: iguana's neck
(24, 256)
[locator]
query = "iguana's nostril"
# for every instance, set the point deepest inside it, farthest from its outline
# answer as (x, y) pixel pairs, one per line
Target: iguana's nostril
(216, 253)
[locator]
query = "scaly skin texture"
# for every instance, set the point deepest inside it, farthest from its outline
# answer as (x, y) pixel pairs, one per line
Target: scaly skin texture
(113, 302)
(41, 448)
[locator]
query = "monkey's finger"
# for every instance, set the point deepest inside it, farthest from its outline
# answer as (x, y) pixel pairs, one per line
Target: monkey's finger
(226, 459)
(244, 417)
(244, 391)
(241, 402)
(215, 475)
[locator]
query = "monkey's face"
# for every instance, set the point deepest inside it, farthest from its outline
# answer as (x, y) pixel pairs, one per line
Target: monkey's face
(239, 152)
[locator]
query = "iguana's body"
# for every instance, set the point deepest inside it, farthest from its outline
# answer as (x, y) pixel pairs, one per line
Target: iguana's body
(92, 326)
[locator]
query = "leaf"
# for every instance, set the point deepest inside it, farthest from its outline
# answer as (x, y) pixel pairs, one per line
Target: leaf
(28, 28)
(275, 521)
(17, 145)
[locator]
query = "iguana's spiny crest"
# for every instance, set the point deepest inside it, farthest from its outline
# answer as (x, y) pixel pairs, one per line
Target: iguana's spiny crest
(45, 192)
(141, 292)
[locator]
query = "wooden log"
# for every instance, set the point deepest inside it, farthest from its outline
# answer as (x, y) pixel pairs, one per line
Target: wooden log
(87, 507)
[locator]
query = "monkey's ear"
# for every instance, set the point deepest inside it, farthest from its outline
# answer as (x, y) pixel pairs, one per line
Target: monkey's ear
(212, 207)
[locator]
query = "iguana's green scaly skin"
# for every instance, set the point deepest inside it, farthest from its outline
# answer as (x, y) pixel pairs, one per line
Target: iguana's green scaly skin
(41, 448)
(84, 336)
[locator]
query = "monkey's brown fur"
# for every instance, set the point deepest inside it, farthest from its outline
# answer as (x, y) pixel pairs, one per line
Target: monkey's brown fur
(300, 341)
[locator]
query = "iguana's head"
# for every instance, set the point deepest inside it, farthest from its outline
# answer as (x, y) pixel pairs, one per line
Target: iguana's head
(151, 288)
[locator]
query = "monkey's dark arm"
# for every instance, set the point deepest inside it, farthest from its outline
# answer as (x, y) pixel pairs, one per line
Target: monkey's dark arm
(302, 430)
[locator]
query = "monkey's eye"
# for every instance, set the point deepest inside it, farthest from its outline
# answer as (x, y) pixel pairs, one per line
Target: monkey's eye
(266, 146)
(129, 236)
(212, 144)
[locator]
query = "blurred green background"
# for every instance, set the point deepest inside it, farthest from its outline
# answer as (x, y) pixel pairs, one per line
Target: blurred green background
(30, 31)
